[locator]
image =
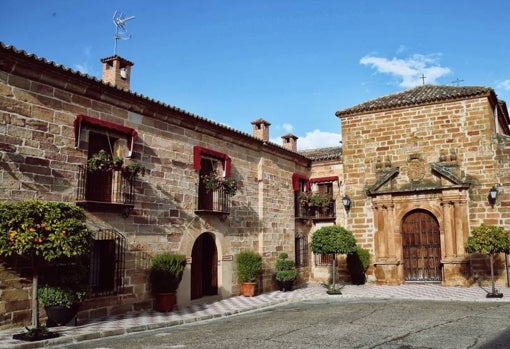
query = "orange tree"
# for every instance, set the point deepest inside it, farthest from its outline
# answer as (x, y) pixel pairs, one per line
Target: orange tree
(490, 240)
(42, 231)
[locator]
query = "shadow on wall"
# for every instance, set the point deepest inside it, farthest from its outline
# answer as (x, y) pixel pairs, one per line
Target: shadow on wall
(478, 270)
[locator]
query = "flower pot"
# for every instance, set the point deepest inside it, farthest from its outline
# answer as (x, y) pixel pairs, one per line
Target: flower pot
(285, 285)
(248, 289)
(164, 302)
(59, 315)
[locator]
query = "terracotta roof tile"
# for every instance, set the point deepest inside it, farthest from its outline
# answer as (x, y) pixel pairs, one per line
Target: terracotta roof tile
(416, 96)
(318, 154)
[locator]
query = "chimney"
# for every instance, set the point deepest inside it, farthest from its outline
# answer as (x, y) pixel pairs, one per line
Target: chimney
(117, 71)
(261, 129)
(290, 142)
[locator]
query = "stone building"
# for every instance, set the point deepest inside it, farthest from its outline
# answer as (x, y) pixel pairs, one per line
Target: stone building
(430, 155)
(418, 166)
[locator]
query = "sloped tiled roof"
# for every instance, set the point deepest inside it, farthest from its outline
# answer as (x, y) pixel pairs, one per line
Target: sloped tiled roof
(330, 153)
(88, 78)
(416, 96)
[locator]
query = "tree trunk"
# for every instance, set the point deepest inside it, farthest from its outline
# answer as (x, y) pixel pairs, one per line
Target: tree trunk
(35, 302)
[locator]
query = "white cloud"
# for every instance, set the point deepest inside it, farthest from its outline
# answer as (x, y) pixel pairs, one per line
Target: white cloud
(287, 127)
(84, 67)
(504, 85)
(314, 139)
(410, 70)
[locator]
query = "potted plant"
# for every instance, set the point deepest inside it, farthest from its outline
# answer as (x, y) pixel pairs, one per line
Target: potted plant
(214, 181)
(165, 274)
(104, 162)
(285, 272)
(249, 267)
(333, 240)
(133, 169)
(60, 303)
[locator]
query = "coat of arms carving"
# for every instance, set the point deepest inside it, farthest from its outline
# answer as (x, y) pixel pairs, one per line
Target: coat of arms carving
(416, 170)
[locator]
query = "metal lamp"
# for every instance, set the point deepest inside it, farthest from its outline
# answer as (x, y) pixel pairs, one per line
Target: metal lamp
(346, 201)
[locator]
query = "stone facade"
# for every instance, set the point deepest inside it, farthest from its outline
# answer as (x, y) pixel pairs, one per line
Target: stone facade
(42, 153)
(431, 150)
(432, 156)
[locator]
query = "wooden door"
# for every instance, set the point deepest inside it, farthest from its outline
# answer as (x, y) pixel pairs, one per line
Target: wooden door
(421, 247)
(204, 269)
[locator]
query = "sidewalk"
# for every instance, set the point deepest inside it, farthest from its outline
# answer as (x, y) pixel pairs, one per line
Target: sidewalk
(130, 323)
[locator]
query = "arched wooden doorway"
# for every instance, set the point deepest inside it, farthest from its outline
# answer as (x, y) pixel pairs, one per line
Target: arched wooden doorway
(204, 267)
(421, 247)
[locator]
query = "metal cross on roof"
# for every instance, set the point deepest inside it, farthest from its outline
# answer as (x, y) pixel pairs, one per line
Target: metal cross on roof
(423, 77)
(457, 81)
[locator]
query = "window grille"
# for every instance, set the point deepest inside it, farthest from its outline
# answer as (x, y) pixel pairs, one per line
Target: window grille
(301, 250)
(324, 259)
(107, 262)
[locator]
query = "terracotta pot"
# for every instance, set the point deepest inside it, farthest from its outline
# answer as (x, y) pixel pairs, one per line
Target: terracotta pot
(164, 302)
(248, 289)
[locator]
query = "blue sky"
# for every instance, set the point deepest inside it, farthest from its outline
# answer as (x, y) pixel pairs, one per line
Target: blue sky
(292, 62)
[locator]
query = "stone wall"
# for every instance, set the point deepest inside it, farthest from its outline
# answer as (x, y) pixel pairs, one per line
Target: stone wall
(456, 134)
(38, 160)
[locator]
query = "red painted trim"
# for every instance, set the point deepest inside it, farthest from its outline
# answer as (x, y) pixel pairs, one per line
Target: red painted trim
(324, 179)
(295, 181)
(130, 133)
(199, 151)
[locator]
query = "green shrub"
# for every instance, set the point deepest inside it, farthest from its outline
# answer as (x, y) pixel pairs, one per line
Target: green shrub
(333, 239)
(166, 272)
(249, 266)
(50, 296)
(357, 264)
(285, 268)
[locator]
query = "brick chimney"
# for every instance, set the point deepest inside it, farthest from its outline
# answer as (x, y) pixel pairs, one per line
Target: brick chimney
(261, 129)
(117, 71)
(290, 142)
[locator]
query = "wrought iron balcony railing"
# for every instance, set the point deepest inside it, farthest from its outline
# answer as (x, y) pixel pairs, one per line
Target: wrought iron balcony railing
(105, 189)
(316, 212)
(213, 201)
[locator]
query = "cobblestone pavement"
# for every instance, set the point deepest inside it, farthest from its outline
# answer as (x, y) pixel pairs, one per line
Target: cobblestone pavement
(142, 321)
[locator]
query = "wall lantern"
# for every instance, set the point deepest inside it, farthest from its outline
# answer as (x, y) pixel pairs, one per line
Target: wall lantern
(493, 195)
(346, 201)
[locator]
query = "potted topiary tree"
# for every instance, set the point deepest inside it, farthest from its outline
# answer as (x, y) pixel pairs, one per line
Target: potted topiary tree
(333, 240)
(44, 232)
(357, 265)
(285, 272)
(165, 276)
(249, 267)
(489, 240)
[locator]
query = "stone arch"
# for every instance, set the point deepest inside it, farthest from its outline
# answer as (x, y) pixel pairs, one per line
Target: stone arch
(204, 266)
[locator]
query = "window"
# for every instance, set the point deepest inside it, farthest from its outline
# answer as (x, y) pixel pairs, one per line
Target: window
(301, 186)
(301, 250)
(210, 162)
(324, 259)
(107, 262)
(97, 188)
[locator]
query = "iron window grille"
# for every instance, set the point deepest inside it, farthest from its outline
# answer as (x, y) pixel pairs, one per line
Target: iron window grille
(107, 264)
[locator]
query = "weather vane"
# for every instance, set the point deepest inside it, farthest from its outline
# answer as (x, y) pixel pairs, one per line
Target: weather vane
(120, 28)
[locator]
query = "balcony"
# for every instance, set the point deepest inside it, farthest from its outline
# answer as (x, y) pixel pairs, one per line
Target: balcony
(324, 212)
(105, 191)
(215, 201)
